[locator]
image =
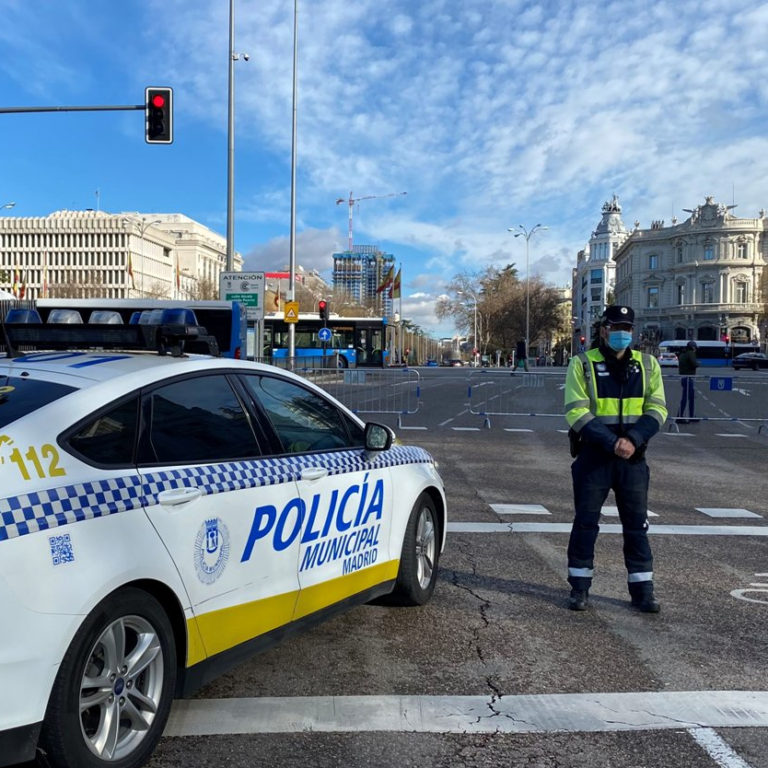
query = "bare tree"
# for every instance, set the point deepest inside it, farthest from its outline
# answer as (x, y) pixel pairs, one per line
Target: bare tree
(204, 288)
(91, 288)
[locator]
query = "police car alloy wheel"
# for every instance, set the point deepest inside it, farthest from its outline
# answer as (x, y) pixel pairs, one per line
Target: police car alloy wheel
(114, 689)
(418, 563)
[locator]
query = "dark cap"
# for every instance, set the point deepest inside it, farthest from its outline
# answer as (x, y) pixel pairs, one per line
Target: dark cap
(691, 345)
(616, 314)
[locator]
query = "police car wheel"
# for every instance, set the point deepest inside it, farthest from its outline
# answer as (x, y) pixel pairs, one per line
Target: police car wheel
(114, 689)
(418, 562)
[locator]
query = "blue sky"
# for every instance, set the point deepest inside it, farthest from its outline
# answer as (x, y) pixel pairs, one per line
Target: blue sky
(488, 113)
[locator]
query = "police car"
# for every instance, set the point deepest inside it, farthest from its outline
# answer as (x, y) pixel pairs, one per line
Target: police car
(164, 516)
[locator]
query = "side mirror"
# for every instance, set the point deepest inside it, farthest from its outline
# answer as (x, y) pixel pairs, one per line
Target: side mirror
(378, 437)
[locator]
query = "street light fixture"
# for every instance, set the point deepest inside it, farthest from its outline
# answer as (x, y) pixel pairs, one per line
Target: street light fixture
(527, 235)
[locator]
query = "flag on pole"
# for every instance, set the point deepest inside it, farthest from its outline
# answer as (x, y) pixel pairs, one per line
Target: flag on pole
(178, 274)
(16, 283)
(23, 285)
(129, 270)
(387, 281)
(394, 289)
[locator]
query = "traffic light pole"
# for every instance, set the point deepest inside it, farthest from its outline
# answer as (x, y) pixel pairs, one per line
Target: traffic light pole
(115, 108)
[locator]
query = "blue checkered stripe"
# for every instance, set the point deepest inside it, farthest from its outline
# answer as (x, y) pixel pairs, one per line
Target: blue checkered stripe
(43, 510)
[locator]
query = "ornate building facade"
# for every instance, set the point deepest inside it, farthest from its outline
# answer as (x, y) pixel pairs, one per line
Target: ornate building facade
(701, 279)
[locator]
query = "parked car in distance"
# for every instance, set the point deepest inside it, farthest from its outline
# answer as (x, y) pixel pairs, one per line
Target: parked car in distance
(454, 362)
(668, 360)
(753, 360)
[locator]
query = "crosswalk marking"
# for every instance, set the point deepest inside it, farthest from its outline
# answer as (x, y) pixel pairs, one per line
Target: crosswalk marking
(520, 509)
(655, 530)
(726, 512)
(526, 713)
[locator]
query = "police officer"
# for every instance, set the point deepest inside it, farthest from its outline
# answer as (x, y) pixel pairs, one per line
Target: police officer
(614, 404)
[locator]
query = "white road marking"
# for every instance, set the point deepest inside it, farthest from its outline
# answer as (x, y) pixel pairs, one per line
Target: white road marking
(404, 427)
(543, 713)
(716, 748)
(660, 530)
(466, 429)
(510, 429)
(728, 434)
(726, 512)
(614, 512)
(520, 509)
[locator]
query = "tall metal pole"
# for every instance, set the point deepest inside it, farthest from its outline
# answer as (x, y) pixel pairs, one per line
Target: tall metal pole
(292, 262)
(527, 235)
(231, 143)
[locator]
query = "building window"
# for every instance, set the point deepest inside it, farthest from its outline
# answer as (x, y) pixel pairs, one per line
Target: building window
(679, 254)
(596, 276)
(740, 292)
(708, 293)
(597, 294)
(681, 293)
(709, 252)
(653, 261)
(653, 298)
(741, 250)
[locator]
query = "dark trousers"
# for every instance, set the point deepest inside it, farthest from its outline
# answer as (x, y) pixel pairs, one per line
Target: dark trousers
(686, 383)
(594, 475)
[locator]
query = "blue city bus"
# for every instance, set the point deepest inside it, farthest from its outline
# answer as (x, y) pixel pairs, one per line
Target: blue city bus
(356, 342)
(710, 353)
(225, 320)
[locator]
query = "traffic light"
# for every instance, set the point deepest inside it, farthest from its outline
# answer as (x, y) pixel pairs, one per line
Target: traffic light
(582, 339)
(322, 309)
(158, 112)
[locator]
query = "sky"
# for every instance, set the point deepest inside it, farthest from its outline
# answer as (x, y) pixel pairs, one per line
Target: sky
(488, 114)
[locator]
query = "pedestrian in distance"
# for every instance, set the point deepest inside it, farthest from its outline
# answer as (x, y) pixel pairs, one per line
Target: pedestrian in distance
(687, 363)
(614, 404)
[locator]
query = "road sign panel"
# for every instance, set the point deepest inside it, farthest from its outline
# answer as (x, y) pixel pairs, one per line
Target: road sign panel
(291, 311)
(721, 383)
(245, 287)
(324, 334)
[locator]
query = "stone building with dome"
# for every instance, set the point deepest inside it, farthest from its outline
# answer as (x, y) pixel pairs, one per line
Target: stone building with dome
(594, 275)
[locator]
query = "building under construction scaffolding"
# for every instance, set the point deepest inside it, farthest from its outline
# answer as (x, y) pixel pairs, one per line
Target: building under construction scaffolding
(359, 273)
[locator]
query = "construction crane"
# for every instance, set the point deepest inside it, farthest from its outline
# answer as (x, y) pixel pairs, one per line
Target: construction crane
(352, 200)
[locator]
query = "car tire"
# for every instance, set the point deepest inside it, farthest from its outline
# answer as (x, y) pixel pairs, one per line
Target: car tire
(122, 661)
(417, 574)
(342, 362)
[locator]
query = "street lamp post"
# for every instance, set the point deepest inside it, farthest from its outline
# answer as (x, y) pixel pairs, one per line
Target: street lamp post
(527, 235)
(143, 225)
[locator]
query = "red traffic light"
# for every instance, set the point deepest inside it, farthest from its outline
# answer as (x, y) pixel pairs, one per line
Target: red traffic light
(158, 115)
(582, 339)
(321, 305)
(158, 100)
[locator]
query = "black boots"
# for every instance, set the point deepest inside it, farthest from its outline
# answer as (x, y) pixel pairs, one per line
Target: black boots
(642, 597)
(578, 600)
(646, 603)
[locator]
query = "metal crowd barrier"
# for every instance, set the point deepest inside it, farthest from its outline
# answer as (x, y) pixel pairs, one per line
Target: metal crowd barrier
(719, 397)
(515, 392)
(395, 391)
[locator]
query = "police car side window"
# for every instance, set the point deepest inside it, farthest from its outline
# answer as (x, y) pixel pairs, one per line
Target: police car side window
(303, 420)
(108, 440)
(199, 419)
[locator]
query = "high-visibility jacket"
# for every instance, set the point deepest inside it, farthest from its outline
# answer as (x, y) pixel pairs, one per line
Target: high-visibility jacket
(604, 401)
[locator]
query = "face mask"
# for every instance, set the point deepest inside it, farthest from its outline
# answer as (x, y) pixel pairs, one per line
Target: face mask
(619, 340)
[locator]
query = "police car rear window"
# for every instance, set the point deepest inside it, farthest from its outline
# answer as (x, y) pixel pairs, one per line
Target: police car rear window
(20, 396)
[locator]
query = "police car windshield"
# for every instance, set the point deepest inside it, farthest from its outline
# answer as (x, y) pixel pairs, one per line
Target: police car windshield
(20, 396)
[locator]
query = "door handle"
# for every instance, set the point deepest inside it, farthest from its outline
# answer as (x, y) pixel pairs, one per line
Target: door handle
(313, 473)
(178, 496)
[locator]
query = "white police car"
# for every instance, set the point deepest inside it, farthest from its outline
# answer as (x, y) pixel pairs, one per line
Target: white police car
(163, 517)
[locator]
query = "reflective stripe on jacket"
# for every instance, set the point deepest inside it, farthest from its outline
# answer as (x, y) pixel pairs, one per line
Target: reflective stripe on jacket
(591, 392)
